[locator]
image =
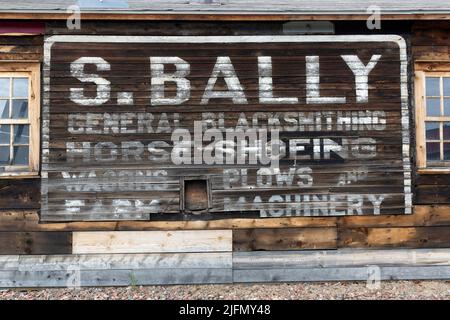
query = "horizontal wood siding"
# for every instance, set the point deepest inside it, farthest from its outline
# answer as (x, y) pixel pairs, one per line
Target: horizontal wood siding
(17, 194)
(427, 227)
(340, 258)
(20, 193)
(29, 221)
(22, 233)
(83, 183)
(341, 274)
(284, 239)
(417, 237)
(430, 44)
(35, 242)
(186, 268)
(152, 241)
(25, 48)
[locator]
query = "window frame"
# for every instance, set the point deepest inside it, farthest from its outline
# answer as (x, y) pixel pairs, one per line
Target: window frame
(31, 70)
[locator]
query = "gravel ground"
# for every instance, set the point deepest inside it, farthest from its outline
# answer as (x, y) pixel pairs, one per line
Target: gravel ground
(330, 290)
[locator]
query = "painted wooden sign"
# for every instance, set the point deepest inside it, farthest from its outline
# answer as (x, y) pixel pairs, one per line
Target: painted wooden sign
(240, 126)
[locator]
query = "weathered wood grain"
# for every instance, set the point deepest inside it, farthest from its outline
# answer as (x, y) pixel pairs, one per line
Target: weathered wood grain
(29, 221)
(98, 278)
(201, 260)
(152, 241)
(82, 197)
(243, 267)
(432, 194)
(424, 215)
(341, 274)
(19, 194)
(340, 258)
(408, 237)
(433, 215)
(25, 48)
(284, 239)
(35, 243)
(430, 52)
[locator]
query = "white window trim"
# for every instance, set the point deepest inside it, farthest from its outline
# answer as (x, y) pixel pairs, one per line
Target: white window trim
(32, 71)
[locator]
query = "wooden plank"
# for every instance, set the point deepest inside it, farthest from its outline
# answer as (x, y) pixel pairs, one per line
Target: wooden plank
(29, 221)
(419, 87)
(24, 48)
(432, 194)
(19, 194)
(98, 278)
(205, 260)
(435, 215)
(411, 237)
(341, 274)
(35, 242)
(424, 215)
(431, 177)
(340, 258)
(152, 241)
(163, 269)
(202, 276)
(284, 239)
(9, 262)
(230, 17)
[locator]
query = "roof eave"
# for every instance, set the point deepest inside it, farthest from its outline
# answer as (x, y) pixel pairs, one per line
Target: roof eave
(115, 14)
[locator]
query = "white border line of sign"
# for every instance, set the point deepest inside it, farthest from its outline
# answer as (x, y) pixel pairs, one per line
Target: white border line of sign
(405, 118)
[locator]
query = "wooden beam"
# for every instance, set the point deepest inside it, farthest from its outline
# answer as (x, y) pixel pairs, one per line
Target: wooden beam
(414, 237)
(435, 215)
(340, 258)
(99, 278)
(218, 16)
(424, 215)
(33, 263)
(284, 239)
(225, 267)
(35, 243)
(152, 241)
(341, 274)
(29, 221)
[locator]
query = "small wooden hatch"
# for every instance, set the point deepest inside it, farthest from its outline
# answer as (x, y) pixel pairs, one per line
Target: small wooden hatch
(195, 195)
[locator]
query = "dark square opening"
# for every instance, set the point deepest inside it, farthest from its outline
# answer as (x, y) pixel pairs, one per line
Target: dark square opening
(196, 195)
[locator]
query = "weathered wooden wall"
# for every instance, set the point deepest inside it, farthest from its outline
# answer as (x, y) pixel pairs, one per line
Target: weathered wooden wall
(429, 226)
(20, 193)
(123, 164)
(430, 44)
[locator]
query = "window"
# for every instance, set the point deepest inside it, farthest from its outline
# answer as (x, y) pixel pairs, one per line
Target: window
(19, 119)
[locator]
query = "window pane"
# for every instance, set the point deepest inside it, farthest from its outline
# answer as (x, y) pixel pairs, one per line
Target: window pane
(446, 107)
(432, 130)
(433, 151)
(5, 134)
(433, 107)
(4, 155)
(4, 87)
(446, 86)
(4, 109)
(21, 135)
(432, 87)
(20, 87)
(446, 151)
(446, 129)
(20, 156)
(19, 109)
